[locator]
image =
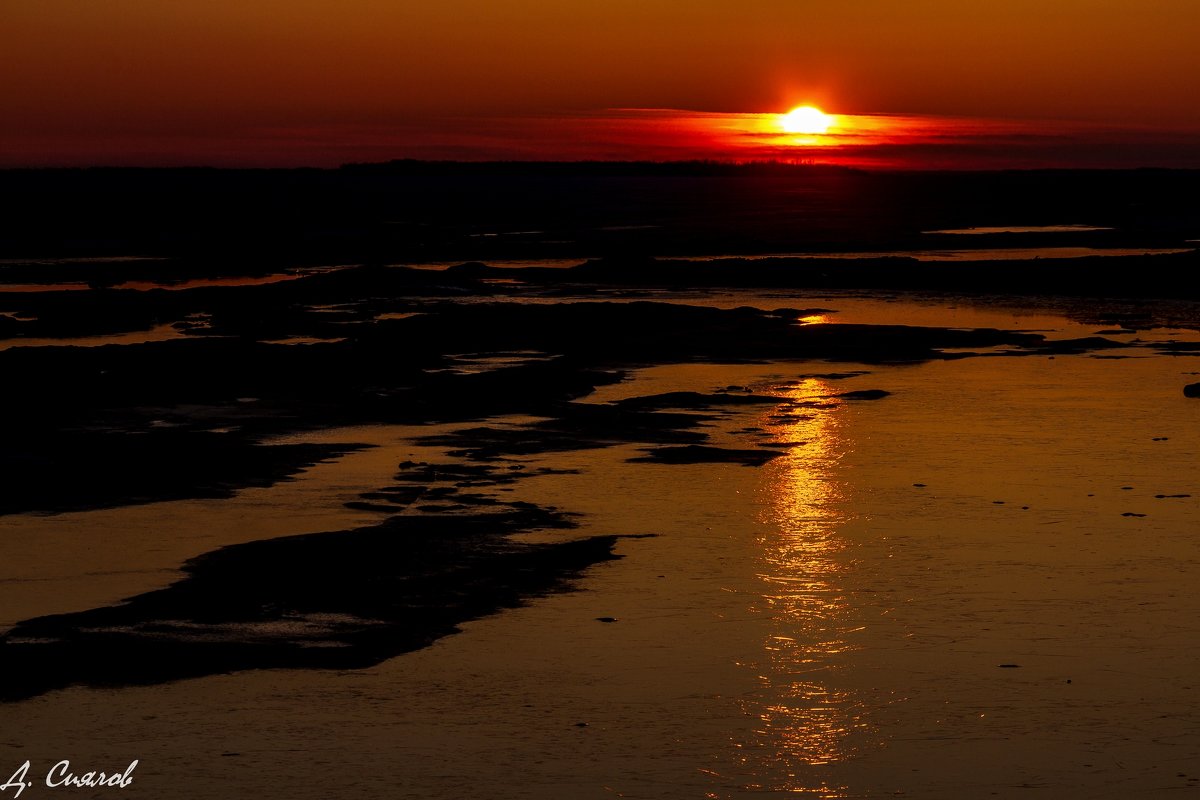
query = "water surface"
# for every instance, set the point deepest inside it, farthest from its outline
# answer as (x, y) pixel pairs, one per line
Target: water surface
(943, 593)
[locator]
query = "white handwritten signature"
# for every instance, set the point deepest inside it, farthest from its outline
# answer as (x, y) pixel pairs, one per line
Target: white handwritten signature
(61, 776)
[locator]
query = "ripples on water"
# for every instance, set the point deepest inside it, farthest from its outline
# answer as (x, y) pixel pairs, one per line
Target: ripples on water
(1018, 552)
(806, 720)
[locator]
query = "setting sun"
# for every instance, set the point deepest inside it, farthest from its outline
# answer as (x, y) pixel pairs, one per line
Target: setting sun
(805, 119)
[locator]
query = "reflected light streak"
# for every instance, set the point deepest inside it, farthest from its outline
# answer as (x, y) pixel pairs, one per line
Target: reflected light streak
(805, 721)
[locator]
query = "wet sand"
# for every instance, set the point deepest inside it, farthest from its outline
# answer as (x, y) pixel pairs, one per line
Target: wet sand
(633, 527)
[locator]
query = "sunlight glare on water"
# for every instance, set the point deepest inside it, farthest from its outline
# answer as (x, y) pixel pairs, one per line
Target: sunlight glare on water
(806, 721)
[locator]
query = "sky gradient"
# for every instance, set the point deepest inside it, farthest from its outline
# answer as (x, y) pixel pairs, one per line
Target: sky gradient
(322, 82)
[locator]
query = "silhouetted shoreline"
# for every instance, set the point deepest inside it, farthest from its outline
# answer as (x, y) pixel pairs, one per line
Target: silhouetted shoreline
(237, 220)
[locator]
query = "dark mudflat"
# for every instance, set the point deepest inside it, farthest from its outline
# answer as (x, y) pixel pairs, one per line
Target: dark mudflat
(699, 454)
(194, 417)
(339, 600)
(696, 400)
(864, 394)
(55, 472)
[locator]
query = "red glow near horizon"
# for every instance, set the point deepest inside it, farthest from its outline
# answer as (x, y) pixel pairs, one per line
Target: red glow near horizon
(846, 139)
(890, 141)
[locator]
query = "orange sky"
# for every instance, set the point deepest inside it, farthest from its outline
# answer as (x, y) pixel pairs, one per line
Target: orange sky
(325, 81)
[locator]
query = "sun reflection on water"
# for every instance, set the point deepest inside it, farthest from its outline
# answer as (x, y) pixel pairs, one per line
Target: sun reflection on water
(805, 720)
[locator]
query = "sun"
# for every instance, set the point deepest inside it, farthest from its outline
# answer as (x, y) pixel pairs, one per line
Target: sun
(806, 119)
